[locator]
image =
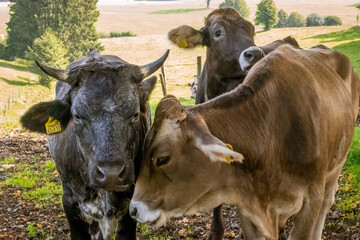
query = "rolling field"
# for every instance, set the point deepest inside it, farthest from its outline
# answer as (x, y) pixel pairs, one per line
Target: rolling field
(30, 204)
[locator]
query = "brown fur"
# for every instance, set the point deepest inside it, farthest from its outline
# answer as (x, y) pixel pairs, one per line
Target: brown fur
(292, 119)
(230, 16)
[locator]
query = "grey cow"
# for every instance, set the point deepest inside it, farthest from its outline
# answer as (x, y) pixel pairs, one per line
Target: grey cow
(102, 113)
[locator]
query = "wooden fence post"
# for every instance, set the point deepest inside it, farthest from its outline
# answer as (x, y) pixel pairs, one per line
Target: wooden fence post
(163, 84)
(163, 80)
(198, 66)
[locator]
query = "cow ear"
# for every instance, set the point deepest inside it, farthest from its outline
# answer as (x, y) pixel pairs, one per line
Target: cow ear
(147, 86)
(186, 37)
(217, 150)
(38, 115)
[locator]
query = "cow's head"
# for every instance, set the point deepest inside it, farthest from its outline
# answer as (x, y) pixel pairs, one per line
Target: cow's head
(105, 99)
(179, 169)
(225, 34)
(253, 54)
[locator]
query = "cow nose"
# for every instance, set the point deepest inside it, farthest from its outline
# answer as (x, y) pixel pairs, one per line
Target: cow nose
(109, 177)
(250, 56)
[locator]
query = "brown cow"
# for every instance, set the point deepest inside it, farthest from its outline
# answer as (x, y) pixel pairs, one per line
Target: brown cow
(290, 124)
(225, 34)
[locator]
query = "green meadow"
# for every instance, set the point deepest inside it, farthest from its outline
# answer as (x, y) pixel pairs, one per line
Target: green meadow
(178, 11)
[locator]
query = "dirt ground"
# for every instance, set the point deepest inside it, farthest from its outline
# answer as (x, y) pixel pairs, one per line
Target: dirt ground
(17, 212)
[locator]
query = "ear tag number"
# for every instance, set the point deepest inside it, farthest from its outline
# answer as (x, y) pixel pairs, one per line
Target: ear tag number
(182, 44)
(52, 126)
(229, 158)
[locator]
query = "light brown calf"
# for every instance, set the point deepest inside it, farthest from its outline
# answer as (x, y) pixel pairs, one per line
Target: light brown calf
(290, 125)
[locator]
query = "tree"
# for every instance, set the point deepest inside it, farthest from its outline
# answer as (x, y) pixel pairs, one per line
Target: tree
(72, 21)
(266, 14)
(238, 5)
(49, 50)
(283, 19)
(314, 19)
(29, 19)
(78, 29)
(332, 21)
(296, 20)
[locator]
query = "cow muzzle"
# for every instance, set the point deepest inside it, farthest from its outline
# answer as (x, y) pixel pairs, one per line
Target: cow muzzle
(250, 56)
(116, 178)
(141, 213)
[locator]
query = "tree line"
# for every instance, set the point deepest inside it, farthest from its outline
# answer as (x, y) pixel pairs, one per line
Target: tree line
(268, 16)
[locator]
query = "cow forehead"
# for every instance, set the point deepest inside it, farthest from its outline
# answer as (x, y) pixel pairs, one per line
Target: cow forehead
(232, 18)
(168, 132)
(124, 101)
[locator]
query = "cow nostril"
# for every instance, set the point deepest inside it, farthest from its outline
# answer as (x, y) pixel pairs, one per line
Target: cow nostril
(122, 173)
(133, 212)
(248, 54)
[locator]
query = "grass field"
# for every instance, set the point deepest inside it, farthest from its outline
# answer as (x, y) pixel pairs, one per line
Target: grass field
(178, 11)
(348, 42)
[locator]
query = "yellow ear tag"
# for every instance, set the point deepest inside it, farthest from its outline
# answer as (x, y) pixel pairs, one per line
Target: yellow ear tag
(229, 158)
(182, 44)
(52, 126)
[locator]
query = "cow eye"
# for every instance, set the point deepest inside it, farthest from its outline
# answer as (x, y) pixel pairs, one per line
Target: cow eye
(162, 161)
(218, 33)
(78, 119)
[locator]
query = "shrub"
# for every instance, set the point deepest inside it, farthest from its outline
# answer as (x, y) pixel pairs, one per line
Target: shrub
(116, 34)
(296, 20)
(49, 50)
(238, 5)
(266, 14)
(332, 20)
(314, 19)
(121, 34)
(283, 19)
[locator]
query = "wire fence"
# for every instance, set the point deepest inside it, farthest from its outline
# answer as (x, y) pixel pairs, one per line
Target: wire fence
(14, 97)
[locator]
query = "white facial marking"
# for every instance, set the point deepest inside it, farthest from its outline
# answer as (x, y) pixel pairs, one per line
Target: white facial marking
(154, 218)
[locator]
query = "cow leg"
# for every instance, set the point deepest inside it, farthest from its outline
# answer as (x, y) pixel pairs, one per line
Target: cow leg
(305, 220)
(249, 230)
(126, 228)
(217, 227)
(79, 229)
(329, 199)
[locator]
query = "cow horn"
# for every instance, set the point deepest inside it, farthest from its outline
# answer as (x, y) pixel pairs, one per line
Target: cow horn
(58, 74)
(150, 68)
